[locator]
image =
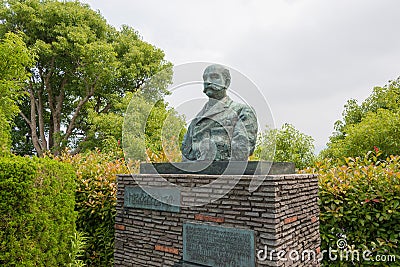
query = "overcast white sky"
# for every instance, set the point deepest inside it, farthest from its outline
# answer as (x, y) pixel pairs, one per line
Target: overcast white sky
(308, 57)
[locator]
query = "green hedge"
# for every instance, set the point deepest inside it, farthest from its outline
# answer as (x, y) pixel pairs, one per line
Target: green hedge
(360, 208)
(37, 217)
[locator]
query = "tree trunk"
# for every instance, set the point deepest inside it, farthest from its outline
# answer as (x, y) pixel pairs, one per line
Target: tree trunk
(51, 133)
(41, 121)
(32, 123)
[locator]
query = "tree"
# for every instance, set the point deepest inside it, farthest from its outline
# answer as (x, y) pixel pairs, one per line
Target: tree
(14, 59)
(286, 144)
(83, 64)
(152, 131)
(377, 130)
(373, 124)
(151, 122)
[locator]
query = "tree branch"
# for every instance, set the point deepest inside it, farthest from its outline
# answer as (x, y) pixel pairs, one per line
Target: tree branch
(98, 104)
(71, 124)
(25, 118)
(56, 115)
(79, 148)
(61, 96)
(47, 85)
(106, 108)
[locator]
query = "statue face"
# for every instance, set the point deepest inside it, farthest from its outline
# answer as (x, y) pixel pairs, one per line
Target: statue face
(215, 84)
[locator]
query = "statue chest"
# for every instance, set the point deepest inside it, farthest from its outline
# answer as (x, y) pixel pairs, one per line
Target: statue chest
(214, 136)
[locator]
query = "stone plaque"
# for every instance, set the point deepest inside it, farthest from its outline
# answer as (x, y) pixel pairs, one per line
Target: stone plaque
(218, 246)
(136, 197)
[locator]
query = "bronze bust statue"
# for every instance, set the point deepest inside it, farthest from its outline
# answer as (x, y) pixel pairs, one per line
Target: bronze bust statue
(223, 130)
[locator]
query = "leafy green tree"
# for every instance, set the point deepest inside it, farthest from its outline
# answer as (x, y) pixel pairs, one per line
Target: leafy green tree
(14, 59)
(152, 131)
(373, 124)
(288, 143)
(151, 123)
(377, 130)
(83, 66)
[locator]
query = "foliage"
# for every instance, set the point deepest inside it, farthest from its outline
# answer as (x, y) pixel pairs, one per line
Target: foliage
(152, 131)
(288, 143)
(104, 130)
(96, 196)
(375, 122)
(96, 202)
(77, 250)
(14, 59)
(37, 217)
(360, 202)
(83, 65)
(380, 129)
(147, 125)
(170, 151)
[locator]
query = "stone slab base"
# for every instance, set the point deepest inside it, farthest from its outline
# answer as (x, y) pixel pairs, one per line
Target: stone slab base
(219, 167)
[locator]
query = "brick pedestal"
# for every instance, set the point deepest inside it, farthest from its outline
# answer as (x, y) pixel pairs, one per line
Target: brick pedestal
(282, 212)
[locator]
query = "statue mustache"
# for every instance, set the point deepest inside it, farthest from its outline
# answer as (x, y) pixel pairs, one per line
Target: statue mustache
(214, 86)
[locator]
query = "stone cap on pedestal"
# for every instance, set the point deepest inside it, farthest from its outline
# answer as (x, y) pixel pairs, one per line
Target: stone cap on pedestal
(219, 167)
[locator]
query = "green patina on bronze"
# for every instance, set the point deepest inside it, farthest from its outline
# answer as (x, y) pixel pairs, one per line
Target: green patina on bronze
(223, 129)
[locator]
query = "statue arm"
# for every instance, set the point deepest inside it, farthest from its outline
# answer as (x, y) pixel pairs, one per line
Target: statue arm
(245, 134)
(251, 125)
(186, 147)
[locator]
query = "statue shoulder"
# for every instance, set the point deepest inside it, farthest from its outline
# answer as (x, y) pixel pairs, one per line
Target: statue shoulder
(241, 108)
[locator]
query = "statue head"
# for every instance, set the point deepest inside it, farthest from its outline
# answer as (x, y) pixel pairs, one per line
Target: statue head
(216, 81)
